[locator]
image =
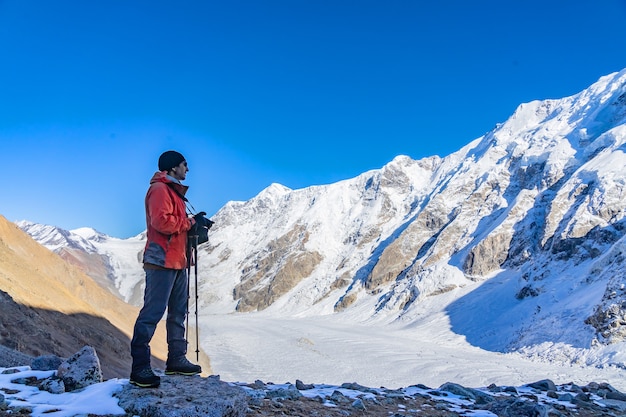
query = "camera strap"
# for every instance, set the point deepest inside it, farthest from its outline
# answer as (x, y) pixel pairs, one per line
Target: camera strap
(190, 211)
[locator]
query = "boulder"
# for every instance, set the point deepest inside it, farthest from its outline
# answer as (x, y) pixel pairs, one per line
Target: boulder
(80, 370)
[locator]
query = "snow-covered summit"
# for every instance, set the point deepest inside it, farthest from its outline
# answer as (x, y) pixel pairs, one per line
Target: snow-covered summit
(55, 238)
(89, 234)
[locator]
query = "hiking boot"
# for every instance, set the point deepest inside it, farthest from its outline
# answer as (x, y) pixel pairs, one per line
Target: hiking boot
(181, 366)
(145, 378)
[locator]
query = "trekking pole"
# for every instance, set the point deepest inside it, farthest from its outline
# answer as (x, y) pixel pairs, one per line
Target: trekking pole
(189, 254)
(196, 289)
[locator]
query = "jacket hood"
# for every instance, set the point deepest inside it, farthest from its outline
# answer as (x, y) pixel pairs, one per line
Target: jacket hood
(161, 176)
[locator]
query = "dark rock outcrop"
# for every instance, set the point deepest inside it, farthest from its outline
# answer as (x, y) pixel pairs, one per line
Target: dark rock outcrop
(182, 396)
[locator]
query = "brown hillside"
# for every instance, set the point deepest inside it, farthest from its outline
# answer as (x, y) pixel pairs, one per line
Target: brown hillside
(44, 298)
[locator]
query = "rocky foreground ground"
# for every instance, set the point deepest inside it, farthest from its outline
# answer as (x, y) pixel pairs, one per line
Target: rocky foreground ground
(180, 396)
(542, 398)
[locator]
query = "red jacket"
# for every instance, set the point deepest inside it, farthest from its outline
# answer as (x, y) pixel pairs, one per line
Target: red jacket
(167, 223)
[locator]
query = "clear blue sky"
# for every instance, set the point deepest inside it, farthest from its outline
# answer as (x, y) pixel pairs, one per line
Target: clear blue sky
(299, 92)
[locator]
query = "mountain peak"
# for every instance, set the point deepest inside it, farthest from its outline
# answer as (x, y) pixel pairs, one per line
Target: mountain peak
(89, 234)
(54, 237)
(274, 190)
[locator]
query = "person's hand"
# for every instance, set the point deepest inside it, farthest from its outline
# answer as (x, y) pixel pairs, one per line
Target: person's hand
(202, 221)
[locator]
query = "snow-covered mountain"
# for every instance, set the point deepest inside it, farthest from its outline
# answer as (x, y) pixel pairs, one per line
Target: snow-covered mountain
(522, 230)
(537, 204)
(113, 263)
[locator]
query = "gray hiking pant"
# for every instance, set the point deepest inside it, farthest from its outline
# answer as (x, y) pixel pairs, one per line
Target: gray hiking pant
(164, 289)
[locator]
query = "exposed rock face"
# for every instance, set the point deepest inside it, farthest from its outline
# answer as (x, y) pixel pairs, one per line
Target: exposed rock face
(609, 318)
(276, 270)
(489, 254)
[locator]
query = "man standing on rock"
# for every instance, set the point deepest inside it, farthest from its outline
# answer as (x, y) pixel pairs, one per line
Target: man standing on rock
(165, 262)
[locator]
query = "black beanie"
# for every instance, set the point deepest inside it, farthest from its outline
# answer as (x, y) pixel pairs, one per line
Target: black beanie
(169, 160)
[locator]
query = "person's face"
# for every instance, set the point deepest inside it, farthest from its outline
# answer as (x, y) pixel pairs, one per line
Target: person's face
(180, 172)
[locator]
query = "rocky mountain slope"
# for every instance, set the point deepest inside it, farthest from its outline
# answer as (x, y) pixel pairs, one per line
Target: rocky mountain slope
(114, 264)
(534, 209)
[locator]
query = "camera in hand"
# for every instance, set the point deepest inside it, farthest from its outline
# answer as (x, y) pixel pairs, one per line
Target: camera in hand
(200, 228)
